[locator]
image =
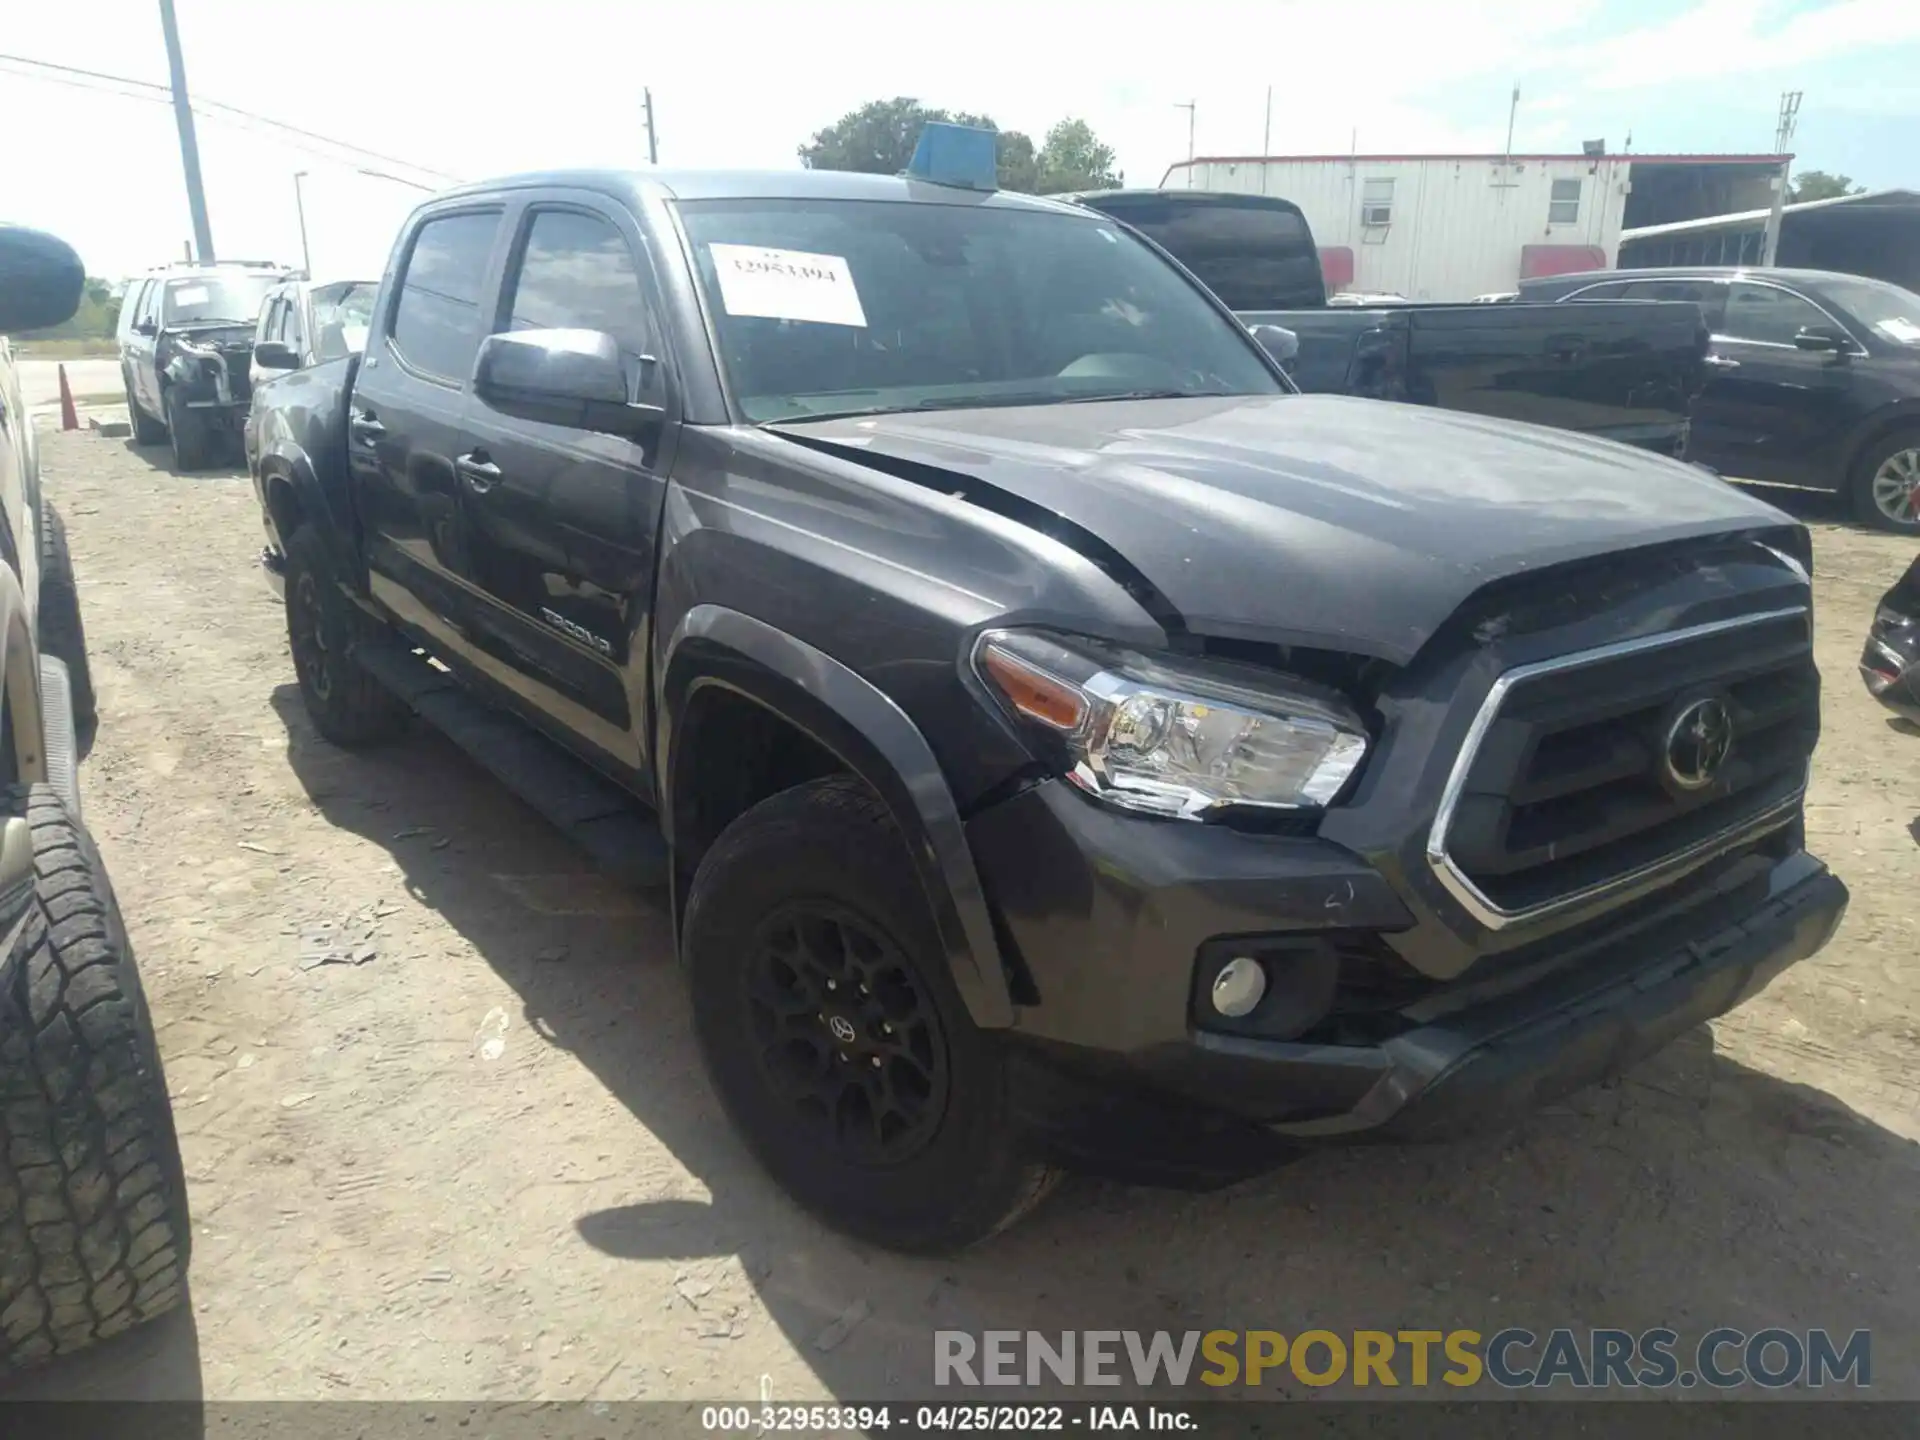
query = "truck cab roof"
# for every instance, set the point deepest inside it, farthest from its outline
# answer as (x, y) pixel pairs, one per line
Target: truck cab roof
(762, 185)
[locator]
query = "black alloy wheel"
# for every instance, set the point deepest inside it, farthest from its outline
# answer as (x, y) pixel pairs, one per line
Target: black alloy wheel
(846, 1034)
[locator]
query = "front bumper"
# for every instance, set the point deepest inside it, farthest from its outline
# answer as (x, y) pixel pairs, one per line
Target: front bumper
(219, 414)
(1496, 1061)
(1107, 913)
(1890, 669)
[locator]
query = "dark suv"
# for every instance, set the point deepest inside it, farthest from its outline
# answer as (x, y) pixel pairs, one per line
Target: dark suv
(1813, 378)
(186, 342)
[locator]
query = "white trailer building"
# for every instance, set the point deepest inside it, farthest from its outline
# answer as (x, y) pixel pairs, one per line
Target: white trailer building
(1450, 227)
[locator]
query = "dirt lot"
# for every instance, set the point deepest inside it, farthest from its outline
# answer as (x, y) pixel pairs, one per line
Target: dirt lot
(485, 1163)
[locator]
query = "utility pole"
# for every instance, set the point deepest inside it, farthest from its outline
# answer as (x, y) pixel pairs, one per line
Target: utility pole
(300, 209)
(1266, 142)
(189, 147)
(1513, 113)
(1190, 106)
(653, 145)
(1782, 138)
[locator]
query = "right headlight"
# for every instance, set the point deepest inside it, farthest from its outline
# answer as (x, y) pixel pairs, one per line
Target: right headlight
(1176, 740)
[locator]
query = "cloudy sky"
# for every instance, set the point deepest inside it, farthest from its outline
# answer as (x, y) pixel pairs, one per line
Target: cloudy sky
(469, 90)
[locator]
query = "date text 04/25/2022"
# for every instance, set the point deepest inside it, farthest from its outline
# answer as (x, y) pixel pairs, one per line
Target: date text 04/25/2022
(921, 1419)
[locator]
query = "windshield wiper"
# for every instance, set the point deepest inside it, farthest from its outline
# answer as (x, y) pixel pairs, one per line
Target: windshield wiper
(1143, 395)
(991, 402)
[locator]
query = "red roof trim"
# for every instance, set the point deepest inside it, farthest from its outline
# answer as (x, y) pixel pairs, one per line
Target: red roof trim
(1372, 159)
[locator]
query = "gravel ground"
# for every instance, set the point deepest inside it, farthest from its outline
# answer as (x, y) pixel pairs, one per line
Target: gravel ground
(484, 1163)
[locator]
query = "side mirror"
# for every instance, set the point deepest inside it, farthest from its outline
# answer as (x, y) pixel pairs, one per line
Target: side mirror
(560, 377)
(275, 355)
(40, 279)
(145, 327)
(1819, 338)
(1279, 342)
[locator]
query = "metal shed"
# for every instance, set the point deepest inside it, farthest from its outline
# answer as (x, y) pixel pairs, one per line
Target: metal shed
(1450, 227)
(1875, 234)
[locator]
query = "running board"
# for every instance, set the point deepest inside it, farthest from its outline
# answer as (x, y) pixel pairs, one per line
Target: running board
(597, 815)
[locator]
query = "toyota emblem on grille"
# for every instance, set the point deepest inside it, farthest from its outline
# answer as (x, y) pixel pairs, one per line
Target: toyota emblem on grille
(843, 1030)
(1698, 743)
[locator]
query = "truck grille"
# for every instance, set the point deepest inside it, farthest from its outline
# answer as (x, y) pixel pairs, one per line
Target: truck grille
(1586, 771)
(239, 358)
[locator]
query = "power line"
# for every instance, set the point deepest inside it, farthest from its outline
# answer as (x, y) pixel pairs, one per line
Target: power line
(202, 105)
(161, 97)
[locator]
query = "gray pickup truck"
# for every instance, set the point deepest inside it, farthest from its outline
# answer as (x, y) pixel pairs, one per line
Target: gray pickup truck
(1060, 742)
(1627, 372)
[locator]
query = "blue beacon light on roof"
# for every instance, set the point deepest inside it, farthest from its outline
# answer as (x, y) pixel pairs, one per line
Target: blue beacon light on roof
(957, 155)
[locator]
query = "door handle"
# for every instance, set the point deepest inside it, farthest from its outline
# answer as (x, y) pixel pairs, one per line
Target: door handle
(365, 428)
(480, 473)
(1722, 362)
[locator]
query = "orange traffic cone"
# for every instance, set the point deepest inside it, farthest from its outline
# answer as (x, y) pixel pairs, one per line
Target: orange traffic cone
(69, 419)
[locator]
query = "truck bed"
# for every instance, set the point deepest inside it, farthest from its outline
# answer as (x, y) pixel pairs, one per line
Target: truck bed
(1625, 370)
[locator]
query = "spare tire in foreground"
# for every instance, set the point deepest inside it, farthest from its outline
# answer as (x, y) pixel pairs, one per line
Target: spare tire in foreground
(94, 1231)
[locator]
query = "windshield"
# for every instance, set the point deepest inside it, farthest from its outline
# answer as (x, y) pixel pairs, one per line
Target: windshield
(342, 315)
(1888, 311)
(859, 306)
(211, 298)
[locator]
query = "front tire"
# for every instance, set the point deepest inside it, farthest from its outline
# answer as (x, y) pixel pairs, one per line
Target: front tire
(1885, 485)
(189, 436)
(94, 1230)
(834, 1034)
(146, 429)
(346, 704)
(61, 633)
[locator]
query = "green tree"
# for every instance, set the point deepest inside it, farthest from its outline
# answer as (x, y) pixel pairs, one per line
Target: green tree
(878, 139)
(1074, 158)
(96, 319)
(1819, 185)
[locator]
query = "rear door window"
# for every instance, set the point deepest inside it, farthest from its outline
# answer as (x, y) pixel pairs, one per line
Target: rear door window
(291, 330)
(437, 320)
(1613, 290)
(135, 305)
(1709, 295)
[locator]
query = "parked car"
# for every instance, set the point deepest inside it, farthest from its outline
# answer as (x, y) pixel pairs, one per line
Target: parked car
(1627, 375)
(94, 1232)
(186, 345)
(303, 322)
(1890, 664)
(1059, 740)
(1813, 379)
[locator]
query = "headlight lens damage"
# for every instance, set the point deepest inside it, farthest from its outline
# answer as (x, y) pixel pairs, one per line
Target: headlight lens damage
(1183, 743)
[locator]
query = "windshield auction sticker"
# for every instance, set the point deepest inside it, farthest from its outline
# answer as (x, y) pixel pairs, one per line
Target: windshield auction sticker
(787, 285)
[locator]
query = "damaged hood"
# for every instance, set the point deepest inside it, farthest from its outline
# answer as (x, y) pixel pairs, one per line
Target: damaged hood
(222, 337)
(1320, 520)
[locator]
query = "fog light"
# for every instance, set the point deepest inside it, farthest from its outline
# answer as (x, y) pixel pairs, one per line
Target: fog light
(1238, 987)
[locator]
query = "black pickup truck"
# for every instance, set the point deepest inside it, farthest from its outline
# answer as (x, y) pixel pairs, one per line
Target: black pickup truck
(1628, 373)
(1062, 743)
